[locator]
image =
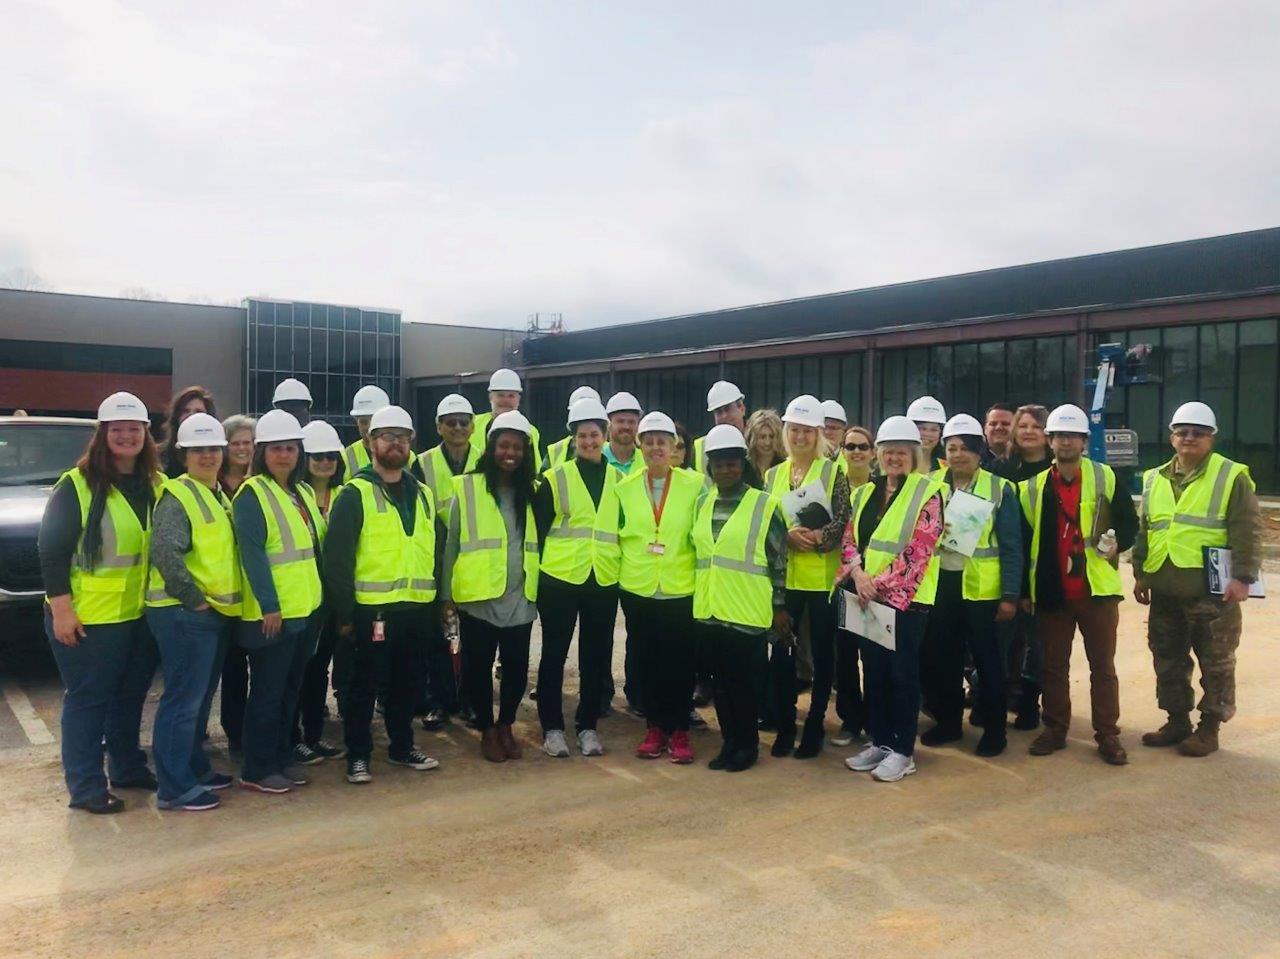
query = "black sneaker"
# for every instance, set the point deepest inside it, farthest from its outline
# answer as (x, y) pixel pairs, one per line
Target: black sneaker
(940, 735)
(201, 803)
(992, 743)
(414, 759)
(696, 721)
(304, 755)
(327, 750)
(358, 771)
(218, 781)
(145, 781)
(104, 805)
(434, 719)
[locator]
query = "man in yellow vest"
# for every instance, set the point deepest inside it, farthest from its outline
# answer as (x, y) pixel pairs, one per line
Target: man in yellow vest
(455, 422)
(367, 401)
(562, 449)
(1081, 519)
(505, 390)
(726, 404)
(381, 570)
(1198, 501)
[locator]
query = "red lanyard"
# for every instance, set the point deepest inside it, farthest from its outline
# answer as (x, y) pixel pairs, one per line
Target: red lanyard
(659, 506)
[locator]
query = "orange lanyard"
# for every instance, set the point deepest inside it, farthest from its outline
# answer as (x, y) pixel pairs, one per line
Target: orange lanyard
(659, 506)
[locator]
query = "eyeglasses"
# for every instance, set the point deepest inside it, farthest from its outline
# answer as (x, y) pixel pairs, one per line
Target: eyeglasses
(455, 422)
(1191, 433)
(397, 437)
(859, 447)
(328, 455)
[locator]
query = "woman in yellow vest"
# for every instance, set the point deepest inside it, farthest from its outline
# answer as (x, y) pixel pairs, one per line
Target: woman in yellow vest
(813, 556)
(193, 601)
(977, 588)
(740, 595)
(490, 579)
(278, 529)
(894, 530)
(651, 513)
(93, 557)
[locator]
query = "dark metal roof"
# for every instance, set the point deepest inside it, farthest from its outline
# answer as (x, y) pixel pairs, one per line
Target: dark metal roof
(1233, 264)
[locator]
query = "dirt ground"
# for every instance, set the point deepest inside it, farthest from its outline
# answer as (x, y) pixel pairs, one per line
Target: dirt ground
(1057, 856)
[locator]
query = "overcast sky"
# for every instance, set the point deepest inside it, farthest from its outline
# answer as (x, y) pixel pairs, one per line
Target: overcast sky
(474, 163)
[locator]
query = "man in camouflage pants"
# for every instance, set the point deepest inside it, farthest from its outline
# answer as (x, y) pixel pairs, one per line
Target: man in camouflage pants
(1198, 499)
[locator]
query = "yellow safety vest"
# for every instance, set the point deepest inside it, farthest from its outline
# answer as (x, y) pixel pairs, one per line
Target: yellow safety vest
(356, 457)
(480, 436)
(893, 533)
(114, 590)
(291, 550)
(981, 579)
(480, 572)
(700, 454)
(1097, 485)
(1179, 530)
(732, 583)
(437, 474)
(391, 566)
(212, 559)
(810, 572)
(569, 552)
(668, 572)
(557, 452)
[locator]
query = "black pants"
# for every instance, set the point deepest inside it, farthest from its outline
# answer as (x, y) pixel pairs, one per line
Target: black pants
(849, 705)
(440, 684)
(892, 682)
(234, 694)
(822, 629)
(631, 669)
(392, 666)
(957, 624)
(275, 678)
(593, 609)
(730, 656)
(309, 726)
(481, 642)
(662, 631)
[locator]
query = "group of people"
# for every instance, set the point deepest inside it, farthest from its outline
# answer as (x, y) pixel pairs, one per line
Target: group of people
(259, 555)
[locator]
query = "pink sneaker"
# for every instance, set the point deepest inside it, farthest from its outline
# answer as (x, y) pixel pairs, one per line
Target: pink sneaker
(681, 751)
(655, 741)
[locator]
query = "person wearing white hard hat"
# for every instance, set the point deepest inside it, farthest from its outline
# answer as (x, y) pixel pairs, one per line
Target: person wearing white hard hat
(292, 396)
(813, 556)
(186, 402)
(562, 449)
(380, 575)
(367, 401)
(834, 422)
(1197, 501)
(727, 405)
(624, 414)
(930, 416)
(325, 470)
(890, 559)
(505, 391)
(1081, 519)
(278, 530)
(93, 544)
(490, 578)
(570, 591)
(979, 585)
(193, 603)
(455, 454)
(643, 539)
(740, 589)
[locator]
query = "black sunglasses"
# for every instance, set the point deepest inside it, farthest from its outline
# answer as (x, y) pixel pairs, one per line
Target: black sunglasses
(324, 456)
(857, 446)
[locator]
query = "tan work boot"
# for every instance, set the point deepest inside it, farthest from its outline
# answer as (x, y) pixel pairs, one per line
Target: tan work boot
(1203, 741)
(1171, 733)
(1112, 752)
(1047, 742)
(491, 746)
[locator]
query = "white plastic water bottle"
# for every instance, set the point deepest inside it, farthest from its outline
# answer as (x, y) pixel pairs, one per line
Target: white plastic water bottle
(1106, 543)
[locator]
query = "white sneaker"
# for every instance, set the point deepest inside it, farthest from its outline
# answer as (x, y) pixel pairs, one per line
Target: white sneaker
(868, 759)
(589, 743)
(844, 737)
(553, 744)
(894, 767)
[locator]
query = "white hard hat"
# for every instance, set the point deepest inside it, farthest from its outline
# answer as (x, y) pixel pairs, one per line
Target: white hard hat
(290, 390)
(898, 429)
(726, 436)
(511, 420)
(622, 403)
(1067, 418)
(804, 410)
(319, 437)
(454, 404)
(1194, 414)
(200, 429)
(925, 409)
(722, 393)
(391, 418)
(833, 410)
(589, 408)
(506, 381)
(368, 400)
(277, 426)
(656, 422)
(962, 424)
(584, 393)
(123, 407)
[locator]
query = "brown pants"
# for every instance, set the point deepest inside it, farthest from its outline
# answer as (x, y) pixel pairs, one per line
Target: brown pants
(1097, 620)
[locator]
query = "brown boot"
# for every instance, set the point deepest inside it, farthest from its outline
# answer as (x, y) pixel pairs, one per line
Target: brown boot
(1112, 752)
(510, 748)
(491, 746)
(1203, 741)
(1047, 742)
(1171, 733)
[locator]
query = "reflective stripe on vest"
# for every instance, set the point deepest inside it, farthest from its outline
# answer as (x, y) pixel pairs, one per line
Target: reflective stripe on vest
(569, 552)
(290, 551)
(732, 582)
(670, 573)
(212, 560)
(981, 579)
(557, 452)
(390, 565)
(114, 590)
(1097, 486)
(480, 572)
(439, 476)
(893, 532)
(809, 572)
(1179, 530)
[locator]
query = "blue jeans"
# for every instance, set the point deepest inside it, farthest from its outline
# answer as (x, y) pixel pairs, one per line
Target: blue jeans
(275, 678)
(192, 647)
(106, 678)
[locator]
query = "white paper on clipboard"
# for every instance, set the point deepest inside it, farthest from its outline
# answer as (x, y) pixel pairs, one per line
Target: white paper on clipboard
(803, 500)
(1217, 571)
(964, 519)
(876, 622)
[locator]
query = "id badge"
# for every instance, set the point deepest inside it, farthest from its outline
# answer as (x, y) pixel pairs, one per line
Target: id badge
(379, 631)
(657, 549)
